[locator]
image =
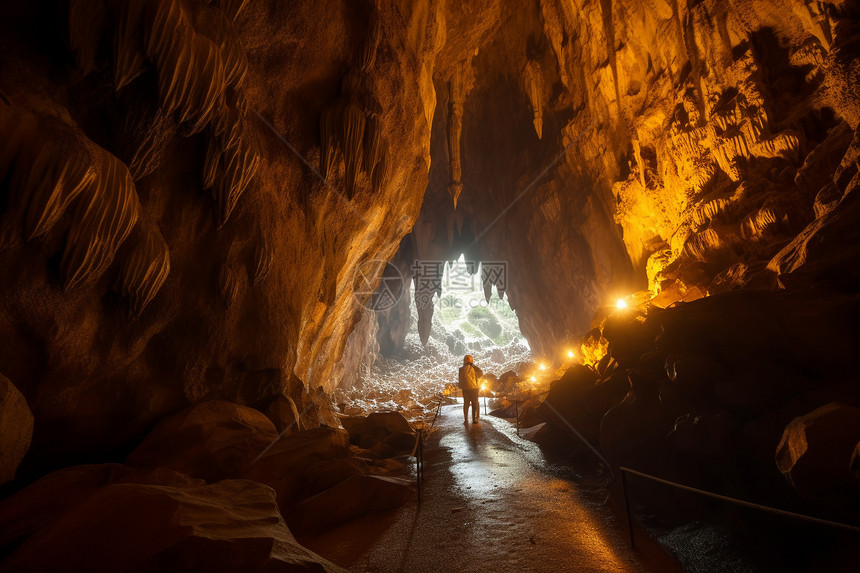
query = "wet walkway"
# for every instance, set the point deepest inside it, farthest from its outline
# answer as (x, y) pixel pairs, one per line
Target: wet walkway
(491, 502)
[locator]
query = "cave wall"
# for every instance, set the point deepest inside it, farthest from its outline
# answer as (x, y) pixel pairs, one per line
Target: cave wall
(166, 237)
(190, 189)
(608, 147)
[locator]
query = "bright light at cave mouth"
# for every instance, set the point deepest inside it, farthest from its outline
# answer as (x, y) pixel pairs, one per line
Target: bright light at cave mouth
(464, 322)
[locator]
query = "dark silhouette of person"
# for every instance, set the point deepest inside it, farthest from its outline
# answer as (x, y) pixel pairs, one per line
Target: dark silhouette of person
(470, 384)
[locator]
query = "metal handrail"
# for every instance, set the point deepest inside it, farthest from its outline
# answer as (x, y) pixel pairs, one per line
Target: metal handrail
(418, 454)
(741, 502)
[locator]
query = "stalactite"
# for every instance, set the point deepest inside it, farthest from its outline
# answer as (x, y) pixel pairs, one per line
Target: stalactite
(237, 167)
(211, 163)
(229, 284)
(107, 210)
(221, 32)
(127, 43)
(191, 72)
(144, 271)
(232, 8)
(381, 172)
(372, 138)
(330, 122)
(150, 135)
(455, 129)
(57, 174)
(263, 259)
(533, 86)
(352, 138)
(371, 40)
(87, 21)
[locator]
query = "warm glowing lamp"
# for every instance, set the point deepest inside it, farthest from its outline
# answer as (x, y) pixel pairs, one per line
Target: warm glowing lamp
(570, 354)
(621, 304)
(533, 379)
(542, 366)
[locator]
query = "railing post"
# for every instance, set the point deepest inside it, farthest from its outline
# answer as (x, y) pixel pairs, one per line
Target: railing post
(485, 405)
(517, 405)
(627, 508)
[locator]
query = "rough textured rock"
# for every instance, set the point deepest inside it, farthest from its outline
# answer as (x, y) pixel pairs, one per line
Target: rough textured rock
(130, 526)
(816, 450)
(351, 498)
(644, 143)
(213, 440)
(191, 193)
(385, 434)
(177, 143)
(40, 504)
(16, 429)
(304, 464)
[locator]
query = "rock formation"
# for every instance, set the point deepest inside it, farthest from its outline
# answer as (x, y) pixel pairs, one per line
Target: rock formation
(192, 191)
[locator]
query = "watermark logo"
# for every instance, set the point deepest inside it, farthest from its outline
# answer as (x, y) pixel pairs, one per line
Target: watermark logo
(378, 285)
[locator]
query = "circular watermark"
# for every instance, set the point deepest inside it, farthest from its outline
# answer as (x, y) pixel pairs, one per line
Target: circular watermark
(378, 285)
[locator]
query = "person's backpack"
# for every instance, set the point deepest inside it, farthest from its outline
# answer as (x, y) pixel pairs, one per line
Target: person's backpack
(463, 383)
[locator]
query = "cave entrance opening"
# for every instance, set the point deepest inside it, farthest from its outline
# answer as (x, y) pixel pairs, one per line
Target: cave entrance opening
(465, 321)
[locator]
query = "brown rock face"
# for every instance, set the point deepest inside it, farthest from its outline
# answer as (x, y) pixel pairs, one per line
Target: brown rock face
(16, 429)
(162, 199)
(196, 198)
(816, 450)
(212, 440)
(167, 526)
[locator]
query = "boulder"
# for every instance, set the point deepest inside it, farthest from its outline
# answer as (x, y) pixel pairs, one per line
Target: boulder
(633, 432)
(304, 464)
(232, 525)
(211, 440)
(384, 433)
(357, 496)
(16, 429)
(816, 450)
(580, 399)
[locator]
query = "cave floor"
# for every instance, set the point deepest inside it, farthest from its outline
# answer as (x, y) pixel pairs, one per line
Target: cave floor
(493, 502)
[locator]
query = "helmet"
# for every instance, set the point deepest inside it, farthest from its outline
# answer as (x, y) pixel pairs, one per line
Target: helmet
(468, 359)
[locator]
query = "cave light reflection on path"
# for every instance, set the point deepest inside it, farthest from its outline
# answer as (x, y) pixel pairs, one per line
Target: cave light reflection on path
(492, 503)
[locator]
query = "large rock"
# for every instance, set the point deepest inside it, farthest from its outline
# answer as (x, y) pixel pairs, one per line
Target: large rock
(357, 496)
(43, 502)
(211, 440)
(581, 399)
(304, 464)
(16, 429)
(233, 525)
(384, 433)
(816, 450)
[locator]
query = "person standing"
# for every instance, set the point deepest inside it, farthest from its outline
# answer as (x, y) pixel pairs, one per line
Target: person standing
(470, 384)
